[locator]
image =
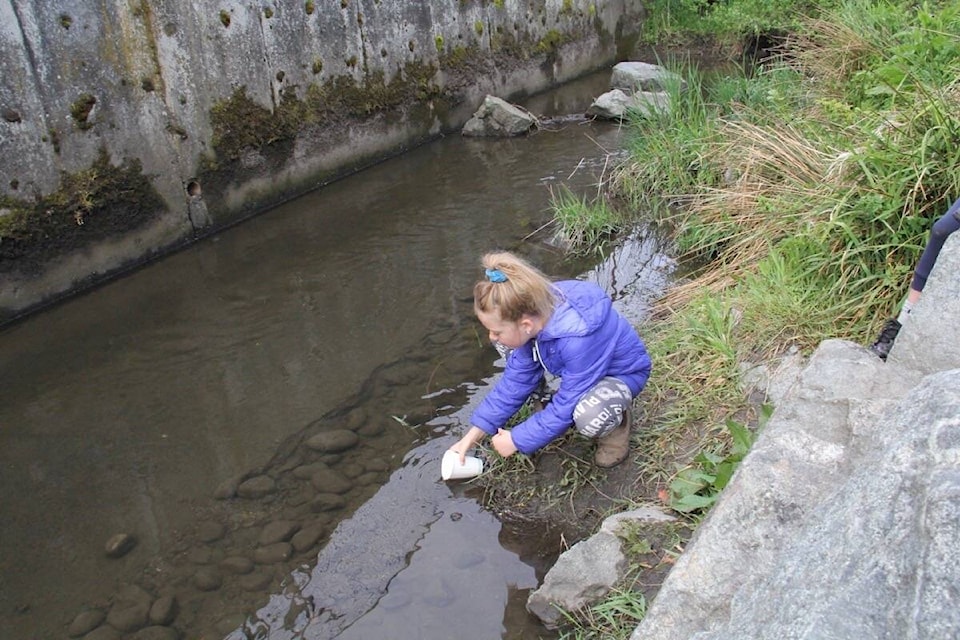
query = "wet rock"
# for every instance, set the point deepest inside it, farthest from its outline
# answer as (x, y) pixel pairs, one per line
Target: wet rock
(300, 498)
(352, 470)
(329, 481)
(367, 479)
(200, 555)
(296, 513)
(355, 419)
(256, 581)
(376, 464)
(129, 616)
(256, 487)
(119, 545)
(271, 554)
(103, 633)
(163, 611)
(498, 118)
(226, 489)
(370, 429)
(133, 593)
(327, 502)
(306, 471)
(239, 565)
(207, 579)
(278, 531)
(211, 531)
(333, 441)
(85, 622)
(331, 459)
(156, 632)
(307, 537)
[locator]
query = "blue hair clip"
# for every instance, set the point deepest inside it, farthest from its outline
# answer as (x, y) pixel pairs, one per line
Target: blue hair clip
(495, 275)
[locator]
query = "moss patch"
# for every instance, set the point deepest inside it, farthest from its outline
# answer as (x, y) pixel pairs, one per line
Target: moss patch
(100, 202)
(240, 124)
(81, 108)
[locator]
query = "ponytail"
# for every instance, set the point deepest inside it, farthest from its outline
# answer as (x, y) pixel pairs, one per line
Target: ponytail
(514, 288)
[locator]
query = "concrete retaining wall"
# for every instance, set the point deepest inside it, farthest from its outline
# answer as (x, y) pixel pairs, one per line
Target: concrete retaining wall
(130, 128)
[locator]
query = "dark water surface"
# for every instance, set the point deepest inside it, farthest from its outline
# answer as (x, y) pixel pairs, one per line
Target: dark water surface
(346, 311)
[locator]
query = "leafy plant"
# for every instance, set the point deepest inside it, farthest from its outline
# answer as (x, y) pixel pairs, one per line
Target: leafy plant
(696, 487)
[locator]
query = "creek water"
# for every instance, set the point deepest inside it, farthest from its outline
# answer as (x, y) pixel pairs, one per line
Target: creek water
(264, 413)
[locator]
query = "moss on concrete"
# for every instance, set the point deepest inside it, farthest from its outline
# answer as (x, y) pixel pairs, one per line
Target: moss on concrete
(100, 202)
(239, 124)
(80, 110)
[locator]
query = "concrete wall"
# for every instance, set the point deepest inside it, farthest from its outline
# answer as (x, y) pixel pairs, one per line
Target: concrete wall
(128, 129)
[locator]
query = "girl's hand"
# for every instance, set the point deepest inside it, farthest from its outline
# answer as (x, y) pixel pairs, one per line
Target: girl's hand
(503, 443)
(467, 442)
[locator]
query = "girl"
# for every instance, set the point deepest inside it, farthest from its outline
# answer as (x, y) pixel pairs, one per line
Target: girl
(568, 329)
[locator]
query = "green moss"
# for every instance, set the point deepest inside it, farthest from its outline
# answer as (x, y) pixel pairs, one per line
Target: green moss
(240, 124)
(344, 97)
(567, 7)
(343, 4)
(478, 27)
(317, 66)
(65, 21)
(351, 61)
(498, 4)
(592, 10)
(224, 17)
(550, 42)
(310, 7)
(99, 202)
(439, 42)
(268, 12)
(81, 108)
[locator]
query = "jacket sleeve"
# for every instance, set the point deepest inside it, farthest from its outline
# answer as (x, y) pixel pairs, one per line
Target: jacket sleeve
(518, 381)
(583, 359)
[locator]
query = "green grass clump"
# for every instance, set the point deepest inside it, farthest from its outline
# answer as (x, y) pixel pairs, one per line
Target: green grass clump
(583, 225)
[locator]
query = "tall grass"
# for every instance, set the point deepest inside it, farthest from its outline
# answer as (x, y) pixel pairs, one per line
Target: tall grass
(801, 196)
(805, 190)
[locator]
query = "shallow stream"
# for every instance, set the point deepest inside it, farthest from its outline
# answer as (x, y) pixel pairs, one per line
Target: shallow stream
(264, 412)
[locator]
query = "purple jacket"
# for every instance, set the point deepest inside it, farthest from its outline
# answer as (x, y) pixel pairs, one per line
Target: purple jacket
(584, 341)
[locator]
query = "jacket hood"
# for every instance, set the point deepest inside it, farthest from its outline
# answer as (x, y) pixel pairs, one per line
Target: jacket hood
(581, 309)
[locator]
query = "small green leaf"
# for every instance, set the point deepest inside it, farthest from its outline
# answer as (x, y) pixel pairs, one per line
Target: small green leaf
(690, 503)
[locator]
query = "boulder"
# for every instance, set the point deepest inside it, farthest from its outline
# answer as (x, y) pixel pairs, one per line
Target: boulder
(617, 105)
(631, 77)
(498, 118)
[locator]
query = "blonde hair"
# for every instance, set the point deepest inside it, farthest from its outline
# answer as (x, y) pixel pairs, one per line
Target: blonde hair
(526, 291)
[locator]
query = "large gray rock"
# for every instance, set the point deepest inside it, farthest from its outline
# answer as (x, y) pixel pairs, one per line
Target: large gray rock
(589, 570)
(616, 105)
(642, 76)
(880, 556)
(498, 118)
(842, 522)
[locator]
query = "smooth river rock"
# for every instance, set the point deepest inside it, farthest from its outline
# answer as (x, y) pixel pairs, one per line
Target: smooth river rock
(333, 441)
(85, 622)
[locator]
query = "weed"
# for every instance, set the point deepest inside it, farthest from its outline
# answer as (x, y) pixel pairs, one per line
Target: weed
(697, 486)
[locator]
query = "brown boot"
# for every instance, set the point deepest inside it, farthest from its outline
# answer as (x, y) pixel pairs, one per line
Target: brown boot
(613, 448)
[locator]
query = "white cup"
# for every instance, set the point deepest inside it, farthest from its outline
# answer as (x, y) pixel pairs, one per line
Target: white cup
(451, 469)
